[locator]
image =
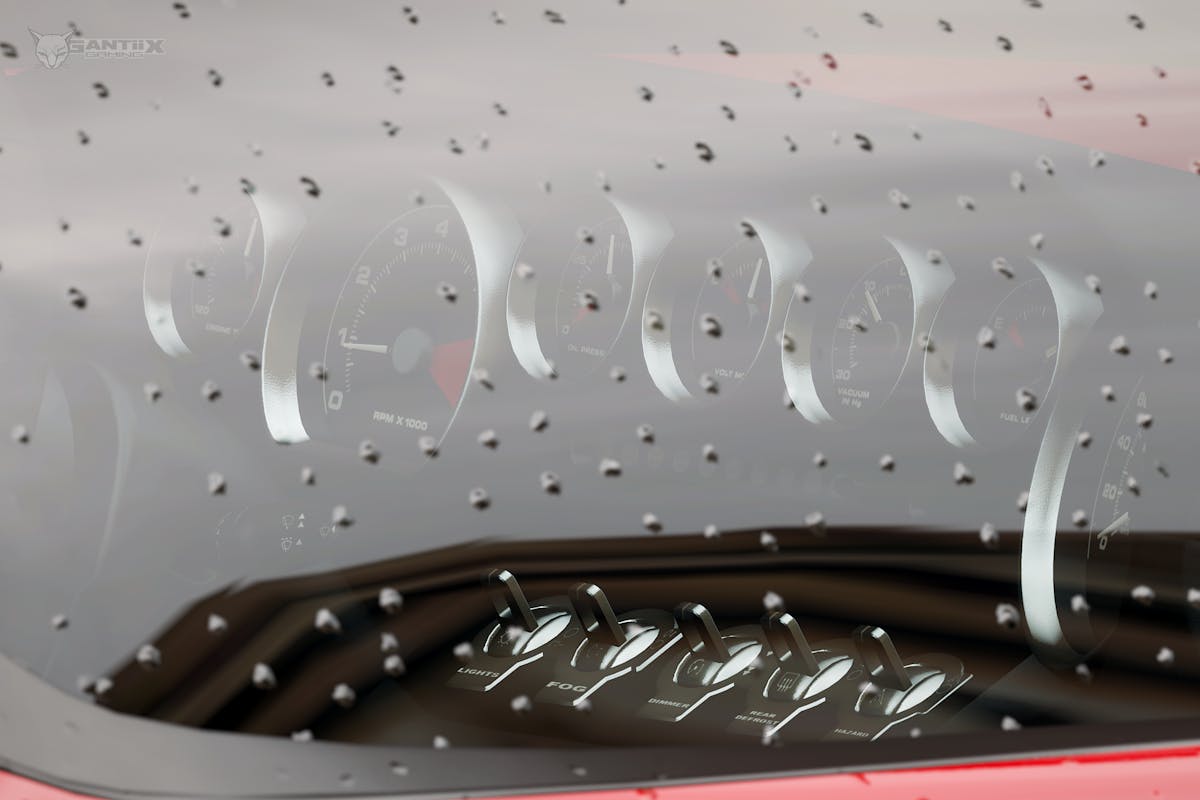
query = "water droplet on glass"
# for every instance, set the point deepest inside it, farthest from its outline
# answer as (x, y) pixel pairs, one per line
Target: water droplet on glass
(478, 498)
(767, 541)
(704, 152)
(341, 517)
(899, 198)
(652, 523)
(263, 677)
(887, 462)
(709, 384)
(210, 391)
(440, 742)
(1143, 594)
(610, 467)
(428, 446)
(645, 433)
(521, 704)
(989, 536)
(149, 657)
(709, 453)
(617, 374)
(1023, 502)
(550, 483)
(1164, 355)
(59, 622)
(326, 621)
(368, 452)
(217, 624)
(1001, 266)
(76, 298)
(966, 202)
(216, 483)
(1009, 724)
(488, 439)
(1007, 616)
(394, 665)
(1045, 164)
(962, 475)
(20, 434)
(711, 531)
(343, 695)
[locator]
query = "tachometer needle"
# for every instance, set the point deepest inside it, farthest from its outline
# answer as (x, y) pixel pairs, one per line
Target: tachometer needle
(874, 307)
(366, 348)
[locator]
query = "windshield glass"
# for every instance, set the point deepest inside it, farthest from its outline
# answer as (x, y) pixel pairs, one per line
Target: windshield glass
(646, 375)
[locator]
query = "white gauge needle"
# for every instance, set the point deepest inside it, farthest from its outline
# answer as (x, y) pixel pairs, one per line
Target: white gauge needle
(250, 238)
(1118, 525)
(754, 280)
(874, 307)
(366, 348)
(612, 240)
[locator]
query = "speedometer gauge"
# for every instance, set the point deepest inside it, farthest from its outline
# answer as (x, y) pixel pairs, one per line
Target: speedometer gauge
(402, 334)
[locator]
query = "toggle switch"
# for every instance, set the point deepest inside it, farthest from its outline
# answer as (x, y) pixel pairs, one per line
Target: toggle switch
(709, 663)
(799, 677)
(520, 636)
(900, 688)
(613, 646)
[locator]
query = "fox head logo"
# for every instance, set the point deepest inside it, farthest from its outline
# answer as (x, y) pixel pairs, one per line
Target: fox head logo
(52, 48)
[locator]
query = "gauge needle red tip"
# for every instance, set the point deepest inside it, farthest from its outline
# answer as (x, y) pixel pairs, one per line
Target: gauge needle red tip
(448, 366)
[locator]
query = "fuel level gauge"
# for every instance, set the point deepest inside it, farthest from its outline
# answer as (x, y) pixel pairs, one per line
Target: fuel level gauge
(1016, 351)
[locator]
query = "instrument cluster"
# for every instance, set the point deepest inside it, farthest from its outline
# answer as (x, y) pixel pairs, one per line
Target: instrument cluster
(380, 318)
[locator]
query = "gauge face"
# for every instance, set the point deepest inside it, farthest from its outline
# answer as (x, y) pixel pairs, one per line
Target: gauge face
(402, 335)
(1121, 482)
(593, 296)
(729, 321)
(1022, 355)
(224, 279)
(203, 282)
(871, 340)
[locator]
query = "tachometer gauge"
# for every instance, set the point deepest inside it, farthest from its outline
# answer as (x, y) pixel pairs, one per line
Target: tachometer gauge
(593, 296)
(729, 321)
(376, 326)
(402, 334)
(871, 339)
(204, 278)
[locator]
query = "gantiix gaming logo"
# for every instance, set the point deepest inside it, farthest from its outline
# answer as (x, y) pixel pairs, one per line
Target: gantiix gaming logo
(52, 49)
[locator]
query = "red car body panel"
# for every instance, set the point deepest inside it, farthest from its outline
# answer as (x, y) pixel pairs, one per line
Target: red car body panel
(1125, 775)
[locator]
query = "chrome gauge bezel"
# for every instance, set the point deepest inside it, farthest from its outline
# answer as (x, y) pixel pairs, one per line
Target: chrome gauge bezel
(539, 279)
(676, 282)
(493, 238)
(803, 338)
(951, 363)
(280, 222)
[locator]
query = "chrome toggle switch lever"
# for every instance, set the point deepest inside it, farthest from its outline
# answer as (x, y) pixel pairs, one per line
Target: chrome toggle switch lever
(897, 689)
(706, 666)
(798, 677)
(613, 646)
(522, 634)
(884, 666)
